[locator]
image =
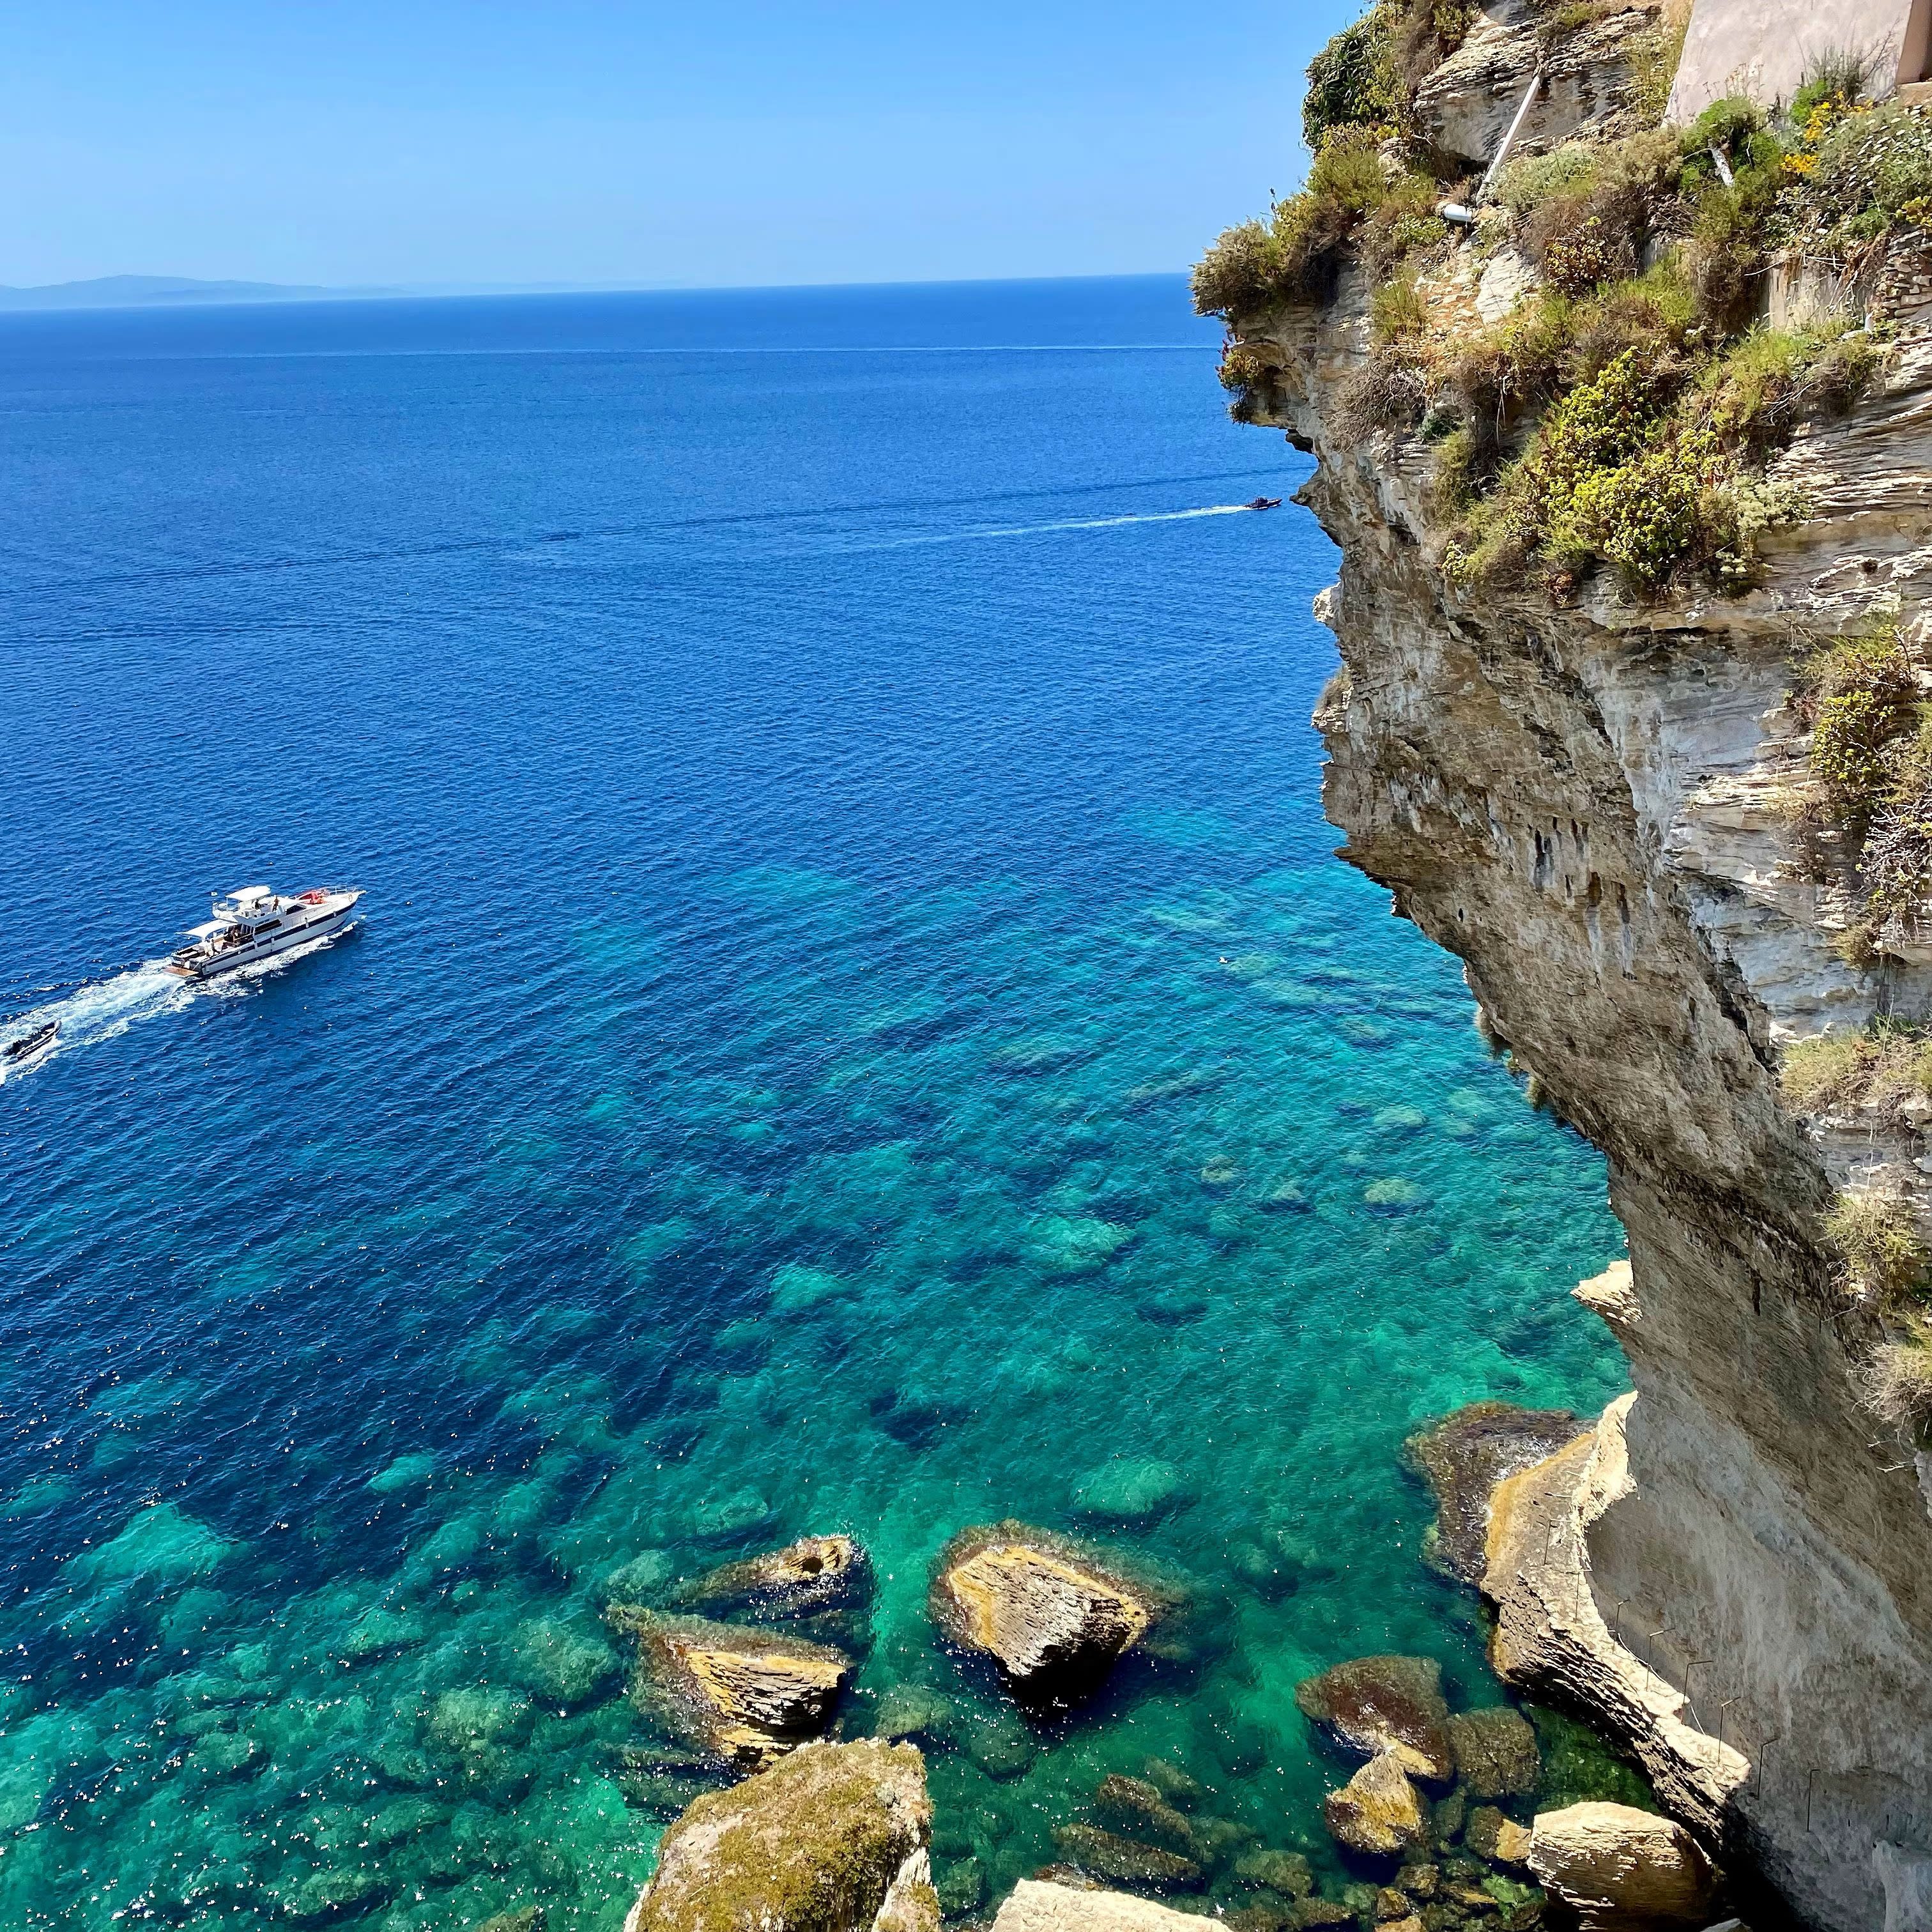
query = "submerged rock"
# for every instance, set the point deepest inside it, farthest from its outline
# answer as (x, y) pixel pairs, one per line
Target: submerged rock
(1053, 1616)
(915, 1712)
(834, 1838)
(1615, 1866)
(1287, 1873)
(1130, 1491)
(1059, 1906)
(1378, 1811)
(749, 1695)
(1126, 1860)
(1496, 1752)
(1376, 1704)
(1463, 1457)
(823, 1581)
(1135, 1807)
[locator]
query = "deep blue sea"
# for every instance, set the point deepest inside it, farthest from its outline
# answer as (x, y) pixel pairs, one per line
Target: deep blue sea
(857, 1026)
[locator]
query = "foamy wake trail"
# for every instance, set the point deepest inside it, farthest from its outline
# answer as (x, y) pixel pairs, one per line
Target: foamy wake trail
(101, 1011)
(1072, 524)
(109, 1007)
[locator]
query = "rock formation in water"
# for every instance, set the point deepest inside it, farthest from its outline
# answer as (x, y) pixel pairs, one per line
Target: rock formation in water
(1632, 620)
(1053, 1614)
(834, 1838)
(748, 1695)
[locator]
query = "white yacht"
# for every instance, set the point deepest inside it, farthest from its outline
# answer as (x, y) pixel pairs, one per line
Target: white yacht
(256, 923)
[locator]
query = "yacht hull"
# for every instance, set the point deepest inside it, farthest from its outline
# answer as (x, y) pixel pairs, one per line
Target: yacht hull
(232, 958)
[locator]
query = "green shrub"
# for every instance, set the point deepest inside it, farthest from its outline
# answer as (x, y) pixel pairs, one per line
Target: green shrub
(1898, 1383)
(1829, 1071)
(1293, 257)
(1836, 77)
(1240, 272)
(1396, 310)
(1882, 159)
(1402, 223)
(1862, 695)
(1353, 82)
(1884, 1257)
(1248, 377)
(1886, 1064)
(1525, 184)
(1579, 259)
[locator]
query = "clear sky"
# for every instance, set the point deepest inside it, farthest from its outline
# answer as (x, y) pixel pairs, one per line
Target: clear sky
(433, 142)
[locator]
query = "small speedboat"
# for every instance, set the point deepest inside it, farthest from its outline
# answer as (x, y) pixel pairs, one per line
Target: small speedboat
(255, 923)
(35, 1041)
(1265, 503)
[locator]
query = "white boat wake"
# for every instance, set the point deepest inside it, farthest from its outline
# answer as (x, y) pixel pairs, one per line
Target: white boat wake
(1072, 524)
(106, 1008)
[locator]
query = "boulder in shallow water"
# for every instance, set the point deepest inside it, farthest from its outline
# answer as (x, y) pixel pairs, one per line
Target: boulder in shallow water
(1378, 1811)
(1463, 1456)
(1496, 1752)
(1617, 1867)
(749, 1695)
(1105, 1854)
(1374, 1704)
(834, 1838)
(1051, 1615)
(1035, 1906)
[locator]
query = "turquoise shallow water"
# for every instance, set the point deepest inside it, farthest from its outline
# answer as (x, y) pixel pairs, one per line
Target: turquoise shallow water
(857, 1027)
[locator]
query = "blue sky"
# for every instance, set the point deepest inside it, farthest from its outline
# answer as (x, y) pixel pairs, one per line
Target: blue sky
(422, 142)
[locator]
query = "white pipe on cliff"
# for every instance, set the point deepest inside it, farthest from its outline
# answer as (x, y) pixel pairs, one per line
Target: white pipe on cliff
(1482, 193)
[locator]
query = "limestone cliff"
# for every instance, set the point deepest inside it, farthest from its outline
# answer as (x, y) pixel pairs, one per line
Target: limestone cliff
(1587, 798)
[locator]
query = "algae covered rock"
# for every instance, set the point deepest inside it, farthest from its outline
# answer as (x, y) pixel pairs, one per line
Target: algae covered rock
(1132, 1806)
(1105, 1854)
(1463, 1456)
(1376, 1704)
(1615, 1866)
(833, 1838)
(1287, 1873)
(1378, 1811)
(748, 1695)
(1496, 1752)
(1053, 1615)
(1037, 1907)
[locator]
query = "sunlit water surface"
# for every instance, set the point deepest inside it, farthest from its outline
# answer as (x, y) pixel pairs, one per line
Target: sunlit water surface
(857, 1027)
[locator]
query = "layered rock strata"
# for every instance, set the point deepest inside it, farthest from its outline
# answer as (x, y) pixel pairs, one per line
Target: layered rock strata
(1589, 806)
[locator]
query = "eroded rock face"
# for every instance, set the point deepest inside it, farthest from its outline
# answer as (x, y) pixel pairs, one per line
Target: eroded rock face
(1377, 1704)
(834, 1838)
(1591, 806)
(748, 1695)
(1034, 1907)
(1463, 1457)
(1051, 1614)
(1618, 1867)
(1378, 1812)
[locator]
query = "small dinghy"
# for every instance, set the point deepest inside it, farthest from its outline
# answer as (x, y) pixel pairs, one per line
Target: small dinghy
(26, 1046)
(1265, 503)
